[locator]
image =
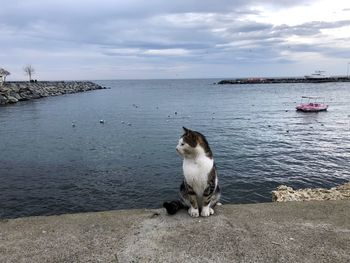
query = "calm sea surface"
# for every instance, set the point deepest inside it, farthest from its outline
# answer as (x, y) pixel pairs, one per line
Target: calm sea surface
(258, 139)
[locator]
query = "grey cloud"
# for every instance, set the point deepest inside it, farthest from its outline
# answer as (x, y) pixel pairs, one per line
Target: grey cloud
(311, 28)
(339, 52)
(248, 27)
(208, 31)
(271, 41)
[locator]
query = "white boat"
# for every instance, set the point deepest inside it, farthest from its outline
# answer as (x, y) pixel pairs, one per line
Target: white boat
(319, 74)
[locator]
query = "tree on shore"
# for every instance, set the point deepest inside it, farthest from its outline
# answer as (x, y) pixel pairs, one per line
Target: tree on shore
(29, 70)
(3, 74)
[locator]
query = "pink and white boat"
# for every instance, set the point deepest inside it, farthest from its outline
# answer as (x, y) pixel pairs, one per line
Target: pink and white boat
(312, 104)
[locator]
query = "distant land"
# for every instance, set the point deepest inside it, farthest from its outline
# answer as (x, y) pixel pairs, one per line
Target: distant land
(305, 79)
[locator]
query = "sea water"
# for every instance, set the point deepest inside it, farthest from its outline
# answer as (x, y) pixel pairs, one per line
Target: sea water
(57, 157)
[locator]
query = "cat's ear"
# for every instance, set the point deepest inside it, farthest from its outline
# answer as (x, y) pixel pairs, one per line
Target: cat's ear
(186, 130)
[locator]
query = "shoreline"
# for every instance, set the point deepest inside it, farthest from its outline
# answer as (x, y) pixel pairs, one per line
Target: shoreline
(281, 193)
(15, 91)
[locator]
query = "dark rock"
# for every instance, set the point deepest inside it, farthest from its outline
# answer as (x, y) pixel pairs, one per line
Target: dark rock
(12, 99)
(3, 100)
(34, 90)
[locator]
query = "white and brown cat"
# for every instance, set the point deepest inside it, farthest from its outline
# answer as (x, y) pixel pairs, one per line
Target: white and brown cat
(200, 190)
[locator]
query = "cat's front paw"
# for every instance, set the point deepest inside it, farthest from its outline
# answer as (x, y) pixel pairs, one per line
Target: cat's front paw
(193, 212)
(206, 211)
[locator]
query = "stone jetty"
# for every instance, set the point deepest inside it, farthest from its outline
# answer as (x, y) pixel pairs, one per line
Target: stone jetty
(12, 92)
(284, 80)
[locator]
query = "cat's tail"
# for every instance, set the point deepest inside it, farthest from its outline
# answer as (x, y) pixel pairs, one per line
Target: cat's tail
(173, 206)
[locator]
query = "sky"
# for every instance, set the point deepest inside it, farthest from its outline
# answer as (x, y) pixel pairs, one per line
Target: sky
(160, 39)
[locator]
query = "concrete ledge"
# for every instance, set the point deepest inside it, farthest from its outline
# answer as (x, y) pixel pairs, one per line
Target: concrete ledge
(272, 232)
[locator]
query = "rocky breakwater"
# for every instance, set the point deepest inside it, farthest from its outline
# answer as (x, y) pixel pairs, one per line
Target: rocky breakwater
(12, 92)
(285, 193)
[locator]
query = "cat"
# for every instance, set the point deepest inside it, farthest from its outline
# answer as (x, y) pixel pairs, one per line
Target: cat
(199, 191)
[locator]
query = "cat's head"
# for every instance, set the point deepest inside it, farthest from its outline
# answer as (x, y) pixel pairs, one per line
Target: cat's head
(192, 144)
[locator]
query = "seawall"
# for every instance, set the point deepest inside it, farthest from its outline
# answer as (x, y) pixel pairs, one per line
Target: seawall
(271, 232)
(284, 80)
(12, 92)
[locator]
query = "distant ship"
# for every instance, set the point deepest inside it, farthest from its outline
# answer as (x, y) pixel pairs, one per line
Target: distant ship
(319, 74)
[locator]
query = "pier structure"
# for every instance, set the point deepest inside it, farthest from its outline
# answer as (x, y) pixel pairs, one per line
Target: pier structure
(313, 231)
(262, 80)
